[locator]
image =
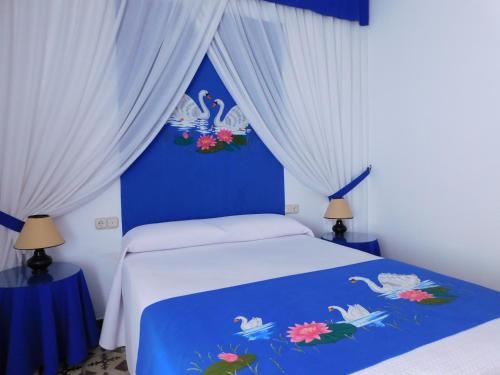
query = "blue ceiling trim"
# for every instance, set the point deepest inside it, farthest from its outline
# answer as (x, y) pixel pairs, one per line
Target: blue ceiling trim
(352, 10)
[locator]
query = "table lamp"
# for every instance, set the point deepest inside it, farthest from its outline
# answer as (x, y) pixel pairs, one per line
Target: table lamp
(39, 232)
(338, 209)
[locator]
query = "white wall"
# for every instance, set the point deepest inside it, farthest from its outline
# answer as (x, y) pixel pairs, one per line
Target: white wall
(434, 69)
(98, 251)
(312, 205)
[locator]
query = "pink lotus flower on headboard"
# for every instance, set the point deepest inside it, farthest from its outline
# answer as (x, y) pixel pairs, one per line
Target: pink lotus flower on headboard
(307, 332)
(206, 142)
(225, 135)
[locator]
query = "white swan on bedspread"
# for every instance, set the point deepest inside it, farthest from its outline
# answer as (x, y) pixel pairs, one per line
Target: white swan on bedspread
(390, 282)
(358, 316)
(353, 312)
(248, 324)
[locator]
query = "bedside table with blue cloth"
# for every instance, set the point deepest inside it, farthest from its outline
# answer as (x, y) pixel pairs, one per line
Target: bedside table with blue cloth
(360, 241)
(44, 319)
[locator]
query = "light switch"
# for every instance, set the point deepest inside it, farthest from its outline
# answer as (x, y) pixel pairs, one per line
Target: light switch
(112, 222)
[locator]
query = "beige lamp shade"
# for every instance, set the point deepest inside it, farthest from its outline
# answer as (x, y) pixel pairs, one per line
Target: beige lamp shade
(338, 209)
(38, 232)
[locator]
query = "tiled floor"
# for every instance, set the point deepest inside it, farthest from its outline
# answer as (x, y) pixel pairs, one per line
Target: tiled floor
(100, 362)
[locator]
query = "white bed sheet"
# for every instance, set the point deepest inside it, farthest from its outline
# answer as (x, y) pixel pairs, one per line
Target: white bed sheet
(155, 276)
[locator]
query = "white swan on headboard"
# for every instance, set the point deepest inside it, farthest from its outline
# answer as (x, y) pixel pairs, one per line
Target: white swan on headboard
(235, 120)
(187, 111)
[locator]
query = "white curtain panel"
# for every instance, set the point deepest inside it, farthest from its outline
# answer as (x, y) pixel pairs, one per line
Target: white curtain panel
(85, 86)
(299, 77)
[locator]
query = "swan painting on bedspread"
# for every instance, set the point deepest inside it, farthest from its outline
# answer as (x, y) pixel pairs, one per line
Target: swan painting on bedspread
(322, 324)
(359, 316)
(254, 329)
(409, 287)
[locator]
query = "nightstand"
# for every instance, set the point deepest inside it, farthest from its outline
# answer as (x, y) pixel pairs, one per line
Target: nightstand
(360, 241)
(45, 319)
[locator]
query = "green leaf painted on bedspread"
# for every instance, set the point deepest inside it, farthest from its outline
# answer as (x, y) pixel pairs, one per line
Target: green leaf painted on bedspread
(339, 331)
(437, 300)
(225, 368)
(437, 291)
(440, 294)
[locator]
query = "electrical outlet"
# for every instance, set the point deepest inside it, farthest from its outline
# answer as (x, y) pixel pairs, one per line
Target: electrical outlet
(107, 222)
(292, 209)
(112, 222)
(100, 223)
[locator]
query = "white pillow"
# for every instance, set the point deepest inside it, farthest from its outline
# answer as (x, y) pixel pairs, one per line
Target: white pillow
(259, 227)
(188, 233)
(171, 235)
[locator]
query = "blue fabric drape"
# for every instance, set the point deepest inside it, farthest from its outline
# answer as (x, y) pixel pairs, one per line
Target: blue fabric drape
(351, 185)
(353, 10)
(11, 222)
(44, 319)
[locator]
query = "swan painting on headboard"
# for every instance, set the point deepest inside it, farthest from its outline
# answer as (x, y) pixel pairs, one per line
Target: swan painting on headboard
(227, 134)
(235, 120)
(188, 113)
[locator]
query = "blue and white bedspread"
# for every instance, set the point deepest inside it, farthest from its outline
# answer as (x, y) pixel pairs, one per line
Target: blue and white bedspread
(335, 321)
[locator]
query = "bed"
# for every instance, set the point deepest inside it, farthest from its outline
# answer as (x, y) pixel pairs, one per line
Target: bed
(215, 280)
(186, 294)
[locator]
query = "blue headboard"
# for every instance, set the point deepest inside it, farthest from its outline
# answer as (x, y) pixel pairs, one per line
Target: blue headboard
(180, 176)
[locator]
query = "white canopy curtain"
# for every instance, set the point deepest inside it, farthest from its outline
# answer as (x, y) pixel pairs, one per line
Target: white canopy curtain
(85, 86)
(299, 78)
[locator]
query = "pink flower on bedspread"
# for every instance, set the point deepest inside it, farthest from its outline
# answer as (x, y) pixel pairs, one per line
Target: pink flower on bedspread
(185, 135)
(225, 135)
(415, 295)
(206, 142)
(228, 357)
(307, 332)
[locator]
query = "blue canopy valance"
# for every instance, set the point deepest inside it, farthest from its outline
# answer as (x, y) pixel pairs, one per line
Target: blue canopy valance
(353, 10)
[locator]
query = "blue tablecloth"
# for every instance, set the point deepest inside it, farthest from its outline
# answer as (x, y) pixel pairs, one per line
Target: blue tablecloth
(360, 241)
(44, 319)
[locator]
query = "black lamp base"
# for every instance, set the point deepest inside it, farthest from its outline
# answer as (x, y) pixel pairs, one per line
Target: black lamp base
(40, 261)
(339, 228)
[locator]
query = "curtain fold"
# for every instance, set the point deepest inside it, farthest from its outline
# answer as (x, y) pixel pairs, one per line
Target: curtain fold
(299, 78)
(85, 87)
